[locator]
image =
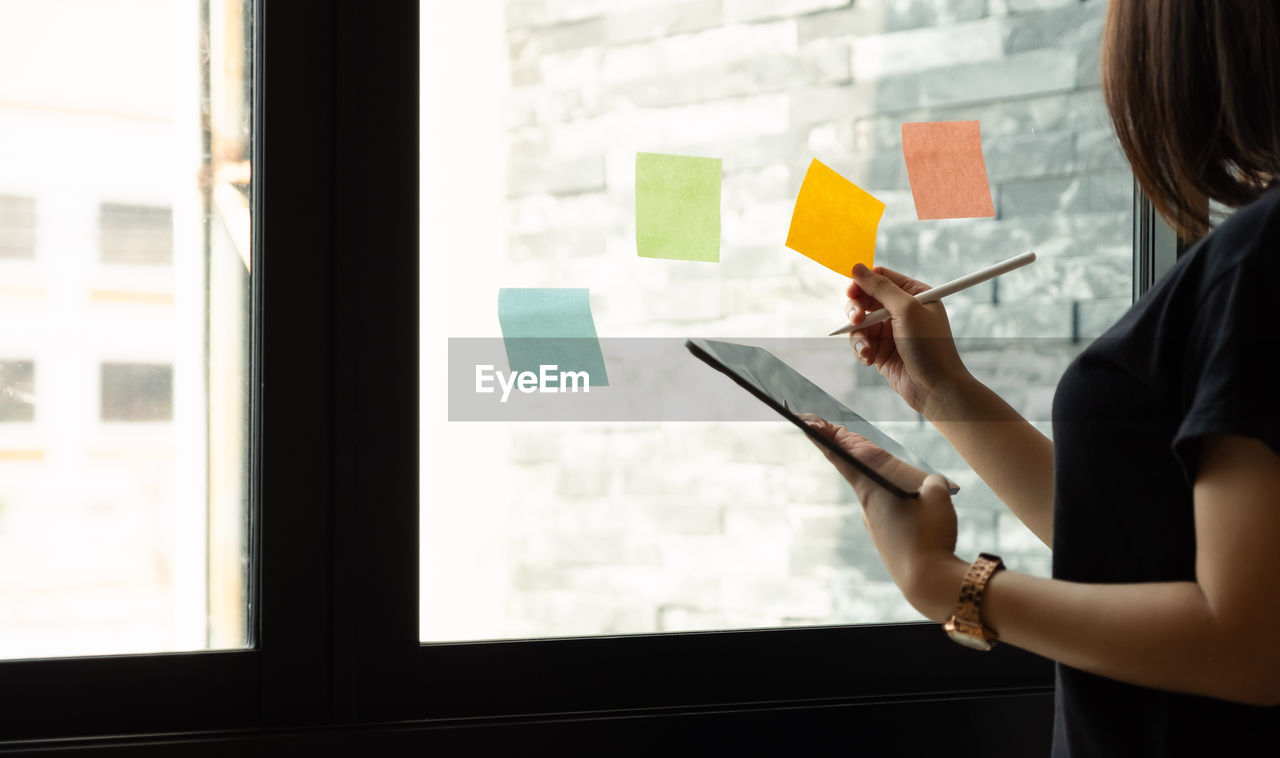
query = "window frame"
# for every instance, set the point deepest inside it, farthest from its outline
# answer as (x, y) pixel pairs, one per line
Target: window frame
(1156, 246)
(335, 487)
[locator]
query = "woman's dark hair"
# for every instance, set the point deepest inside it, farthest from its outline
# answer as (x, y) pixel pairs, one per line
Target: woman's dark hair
(1193, 87)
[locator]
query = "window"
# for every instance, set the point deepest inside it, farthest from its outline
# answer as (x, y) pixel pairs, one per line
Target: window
(124, 488)
(656, 517)
(137, 392)
(17, 391)
(328, 298)
(135, 234)
(17, 227)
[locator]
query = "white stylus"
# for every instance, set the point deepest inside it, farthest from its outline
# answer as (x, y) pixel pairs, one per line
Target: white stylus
(950, 288)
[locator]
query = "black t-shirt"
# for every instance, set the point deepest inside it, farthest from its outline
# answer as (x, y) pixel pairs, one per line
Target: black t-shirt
(1196, 355)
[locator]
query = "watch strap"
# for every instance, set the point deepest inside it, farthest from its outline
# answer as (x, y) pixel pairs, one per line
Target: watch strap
(969, 610)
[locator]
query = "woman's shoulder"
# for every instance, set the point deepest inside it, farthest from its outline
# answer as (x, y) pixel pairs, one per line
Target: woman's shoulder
(1245, 244)
(1233, 266)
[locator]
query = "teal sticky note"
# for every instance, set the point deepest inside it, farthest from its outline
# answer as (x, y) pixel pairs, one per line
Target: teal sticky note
(550, 327)
(678, 207)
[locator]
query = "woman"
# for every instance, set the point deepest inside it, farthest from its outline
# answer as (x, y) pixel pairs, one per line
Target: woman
(1160, 494)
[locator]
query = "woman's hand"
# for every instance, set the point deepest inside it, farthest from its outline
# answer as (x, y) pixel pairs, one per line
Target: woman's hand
(899, 472)
(914, 349)
(916, 537)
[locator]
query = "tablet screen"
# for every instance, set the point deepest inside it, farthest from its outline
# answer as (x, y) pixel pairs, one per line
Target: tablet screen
(790, 394)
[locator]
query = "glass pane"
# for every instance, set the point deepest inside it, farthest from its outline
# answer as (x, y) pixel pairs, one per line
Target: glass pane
(649, 507)
(124, 254)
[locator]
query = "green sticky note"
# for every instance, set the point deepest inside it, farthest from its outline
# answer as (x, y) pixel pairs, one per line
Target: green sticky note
(550, 327)
(678, 207)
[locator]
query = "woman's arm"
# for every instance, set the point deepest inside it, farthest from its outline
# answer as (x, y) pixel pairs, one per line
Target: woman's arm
(1215, 636)
(1013, 457)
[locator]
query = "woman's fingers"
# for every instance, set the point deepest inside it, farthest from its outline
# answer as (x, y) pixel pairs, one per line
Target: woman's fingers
(858, 446)
(864, 348)
(831, 432)
(852, 290)
(812, 419)
(867, 342)
(934, 487)
(883, 289)
(860, 305)
(904, 282)
(862, 295)
(865, 451)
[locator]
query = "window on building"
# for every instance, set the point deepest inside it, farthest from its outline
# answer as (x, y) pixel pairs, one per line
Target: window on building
(135, 234)
(17, 227)
(17, 390)
(137, 392)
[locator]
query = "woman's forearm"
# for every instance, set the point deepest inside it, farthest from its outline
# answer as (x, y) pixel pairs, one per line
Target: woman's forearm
(1013, 457)
(1162, 635)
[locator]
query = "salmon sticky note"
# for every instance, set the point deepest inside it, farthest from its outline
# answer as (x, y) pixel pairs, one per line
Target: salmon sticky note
(834, 221)
(945, 167)
(678, 207)
(550, 327)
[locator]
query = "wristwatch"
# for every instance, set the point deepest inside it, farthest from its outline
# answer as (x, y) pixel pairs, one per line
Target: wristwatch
(965, 625)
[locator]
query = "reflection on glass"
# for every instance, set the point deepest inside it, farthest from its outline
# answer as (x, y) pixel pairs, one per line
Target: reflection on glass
(533, 117)
(122, 373)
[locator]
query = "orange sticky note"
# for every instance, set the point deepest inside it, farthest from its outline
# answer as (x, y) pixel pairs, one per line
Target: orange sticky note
(835, 221)
(945, 167)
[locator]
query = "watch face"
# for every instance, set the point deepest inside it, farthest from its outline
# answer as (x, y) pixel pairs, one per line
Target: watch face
(969, 640)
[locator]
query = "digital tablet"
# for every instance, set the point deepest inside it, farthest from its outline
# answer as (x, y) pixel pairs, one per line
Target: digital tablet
(788, 392)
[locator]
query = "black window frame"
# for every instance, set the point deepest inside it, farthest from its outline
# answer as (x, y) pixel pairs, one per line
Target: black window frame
(336, 653)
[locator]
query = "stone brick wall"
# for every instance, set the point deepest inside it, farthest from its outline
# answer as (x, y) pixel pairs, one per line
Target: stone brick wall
(649, 527)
